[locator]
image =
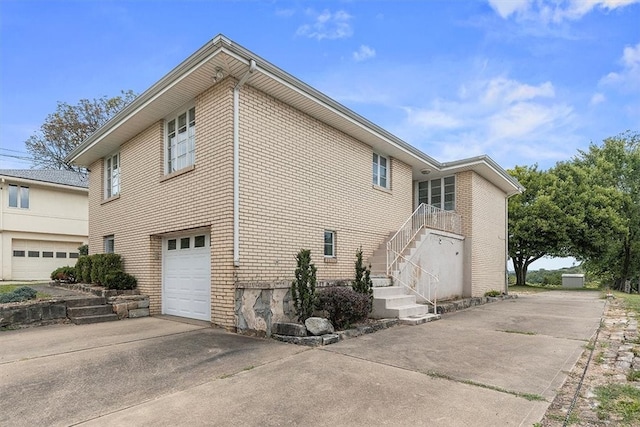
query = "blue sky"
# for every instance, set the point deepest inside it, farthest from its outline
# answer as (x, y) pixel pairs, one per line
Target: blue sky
(524, 81)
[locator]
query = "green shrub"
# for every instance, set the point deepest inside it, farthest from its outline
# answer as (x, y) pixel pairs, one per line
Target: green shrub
(119, 280)
(362, 283)
(344, 305)
(23, 293)
(303, 289)
(64, 274)
(492, 293)
(83, 269)
(83, 250)
(103, 264)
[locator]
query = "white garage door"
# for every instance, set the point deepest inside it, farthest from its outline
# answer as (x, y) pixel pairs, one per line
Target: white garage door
(186, 276)
(36, 259)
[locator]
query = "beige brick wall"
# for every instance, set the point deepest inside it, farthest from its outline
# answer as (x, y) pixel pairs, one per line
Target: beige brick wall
(482, 207)
(149, 204)
(298, 177)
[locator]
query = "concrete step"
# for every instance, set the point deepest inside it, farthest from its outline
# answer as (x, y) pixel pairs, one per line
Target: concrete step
(418, 320)
(382, 292)
(380, 281)
(398, 301)
(85, 320)
(85, 301)
(90, 310)
(411, 310)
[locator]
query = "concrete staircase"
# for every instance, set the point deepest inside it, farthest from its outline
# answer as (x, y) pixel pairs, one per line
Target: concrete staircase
(392, 301)
(85, 310)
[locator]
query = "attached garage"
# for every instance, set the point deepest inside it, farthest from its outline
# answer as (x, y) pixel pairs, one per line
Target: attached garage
(36, 259)
(186, 276)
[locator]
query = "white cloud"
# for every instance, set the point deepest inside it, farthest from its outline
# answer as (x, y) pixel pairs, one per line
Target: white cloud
(553, 10)
(597, 98)
(363, 53)
(431, 119)
(327, 25)
(629, 77)
(502, 90)
(285, 13)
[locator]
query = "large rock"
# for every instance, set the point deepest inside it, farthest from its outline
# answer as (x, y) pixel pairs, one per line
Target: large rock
(291, 329)
(319, 326)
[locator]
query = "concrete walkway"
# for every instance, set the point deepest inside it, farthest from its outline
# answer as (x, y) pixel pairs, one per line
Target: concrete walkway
(478, 367)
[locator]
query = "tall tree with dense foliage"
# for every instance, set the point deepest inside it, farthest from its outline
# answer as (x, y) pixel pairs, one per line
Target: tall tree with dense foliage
(537, 225)
(65, 129)
(608, 237)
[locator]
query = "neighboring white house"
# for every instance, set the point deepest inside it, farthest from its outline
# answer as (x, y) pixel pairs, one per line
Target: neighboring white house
(43, 221)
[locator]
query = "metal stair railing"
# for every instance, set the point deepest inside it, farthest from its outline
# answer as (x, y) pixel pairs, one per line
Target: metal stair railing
(416, 280)
(425, 216)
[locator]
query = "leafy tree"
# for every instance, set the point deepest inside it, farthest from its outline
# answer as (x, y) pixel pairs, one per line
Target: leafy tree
(65, 129)
(608, 236)
(537, 224)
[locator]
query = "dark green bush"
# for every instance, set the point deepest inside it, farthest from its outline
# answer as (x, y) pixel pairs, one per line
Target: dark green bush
(362, 283)
(23, 293)
(303, 289)
(119, 280)
(103, 264)
(83, 250)
(492, 293)
(64, 274)
(344, 305)
(83, 269)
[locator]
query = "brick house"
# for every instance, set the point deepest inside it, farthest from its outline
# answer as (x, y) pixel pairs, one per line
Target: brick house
(210, 182)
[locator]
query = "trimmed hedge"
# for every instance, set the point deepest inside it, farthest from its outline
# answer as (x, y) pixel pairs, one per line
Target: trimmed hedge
(105, 270)
(344, 305)
(64, 274)
(119, 280)
(23, 293)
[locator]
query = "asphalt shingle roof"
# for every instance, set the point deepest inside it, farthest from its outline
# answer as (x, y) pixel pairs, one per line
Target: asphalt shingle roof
(73, 179)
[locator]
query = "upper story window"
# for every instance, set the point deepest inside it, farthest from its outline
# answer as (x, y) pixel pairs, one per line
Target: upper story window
(439, 192)
(181, 140)
(18, 197)
(112, 175)
(380, 170)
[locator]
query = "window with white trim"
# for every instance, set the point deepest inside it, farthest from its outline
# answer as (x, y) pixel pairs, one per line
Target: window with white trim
(109, 244)
(329, 244)
(439, 192)
(112, 175)
(181, 140)
(18, 196)
(380, 170)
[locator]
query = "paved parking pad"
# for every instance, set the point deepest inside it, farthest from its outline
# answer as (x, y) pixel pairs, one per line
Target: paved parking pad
(472, 368)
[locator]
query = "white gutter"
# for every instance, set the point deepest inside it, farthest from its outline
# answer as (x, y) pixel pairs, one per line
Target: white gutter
(236, 163)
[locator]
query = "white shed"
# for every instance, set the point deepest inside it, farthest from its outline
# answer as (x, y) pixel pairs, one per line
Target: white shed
(573, 281)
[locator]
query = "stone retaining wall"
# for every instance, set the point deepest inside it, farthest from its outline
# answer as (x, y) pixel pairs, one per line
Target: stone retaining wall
(130, 306)
(33, 313)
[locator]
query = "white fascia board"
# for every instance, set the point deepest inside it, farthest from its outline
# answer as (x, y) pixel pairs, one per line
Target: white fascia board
(496, 170)
(174, 77)
(34, 182)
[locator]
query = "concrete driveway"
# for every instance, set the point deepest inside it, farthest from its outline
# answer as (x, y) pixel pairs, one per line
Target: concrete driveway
(478, 367)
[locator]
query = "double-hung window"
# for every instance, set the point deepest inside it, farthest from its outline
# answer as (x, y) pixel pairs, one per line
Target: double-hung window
(380, 171)
(181, 140)
(329, 244)
(439, 192)
(112, 175)
(18, 196)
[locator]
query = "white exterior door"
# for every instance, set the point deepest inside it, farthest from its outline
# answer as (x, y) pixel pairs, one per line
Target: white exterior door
(186, 276)
(36, 259)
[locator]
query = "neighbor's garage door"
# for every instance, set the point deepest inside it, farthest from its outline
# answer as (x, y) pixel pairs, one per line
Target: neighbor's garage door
(186, 276)
(36, 259)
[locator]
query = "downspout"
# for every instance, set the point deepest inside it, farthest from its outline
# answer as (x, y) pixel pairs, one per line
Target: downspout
(236, 163)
